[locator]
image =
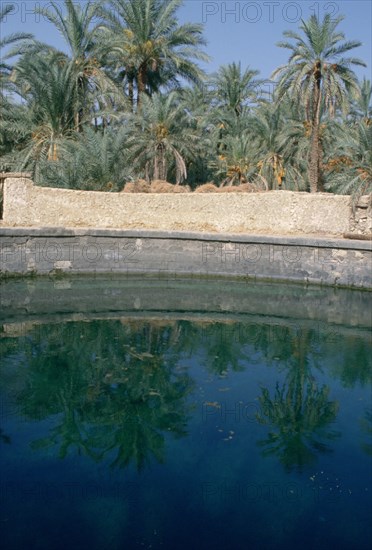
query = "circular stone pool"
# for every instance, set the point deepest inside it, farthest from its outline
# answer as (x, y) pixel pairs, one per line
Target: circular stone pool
(169, 413)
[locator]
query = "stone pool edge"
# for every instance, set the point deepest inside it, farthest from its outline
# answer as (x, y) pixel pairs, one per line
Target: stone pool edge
(303, 259)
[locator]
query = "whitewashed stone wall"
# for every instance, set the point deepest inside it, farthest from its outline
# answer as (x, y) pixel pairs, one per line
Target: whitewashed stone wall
(274, 212)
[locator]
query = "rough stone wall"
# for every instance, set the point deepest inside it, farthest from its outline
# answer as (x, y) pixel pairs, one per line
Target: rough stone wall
(361, 216)
(274, 212)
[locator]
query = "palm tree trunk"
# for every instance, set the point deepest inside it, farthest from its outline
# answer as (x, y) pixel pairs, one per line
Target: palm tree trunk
(77, 122)
(141, 82)
(160, 171)
(81, 87)
(315, 149)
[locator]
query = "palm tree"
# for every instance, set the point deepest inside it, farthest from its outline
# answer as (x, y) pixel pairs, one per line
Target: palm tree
(97, 160)
(14, 133)
(319, 77)
(149, 47)
(161, 138)
(235, 162)
(266, 132)
(294, 142)
(234, 88)
(233, 92)
(351, 165)
(198, 104)
(78, 26)
(362, 104)
(46, 86)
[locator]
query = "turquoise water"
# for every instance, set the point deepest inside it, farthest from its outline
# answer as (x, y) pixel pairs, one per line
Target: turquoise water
(171, 430)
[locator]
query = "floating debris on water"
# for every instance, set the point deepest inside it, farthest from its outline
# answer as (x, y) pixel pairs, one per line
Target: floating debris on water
(215, 404)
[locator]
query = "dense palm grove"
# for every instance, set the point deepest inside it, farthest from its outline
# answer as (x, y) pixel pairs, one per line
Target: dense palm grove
(129, 101)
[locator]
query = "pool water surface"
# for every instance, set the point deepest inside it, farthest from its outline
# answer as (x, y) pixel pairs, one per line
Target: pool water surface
(179, 429)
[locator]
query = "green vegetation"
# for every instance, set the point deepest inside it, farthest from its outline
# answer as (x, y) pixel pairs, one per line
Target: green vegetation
(129, 101)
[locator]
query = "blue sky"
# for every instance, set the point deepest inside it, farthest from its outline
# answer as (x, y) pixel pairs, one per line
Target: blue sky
(244, 31)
